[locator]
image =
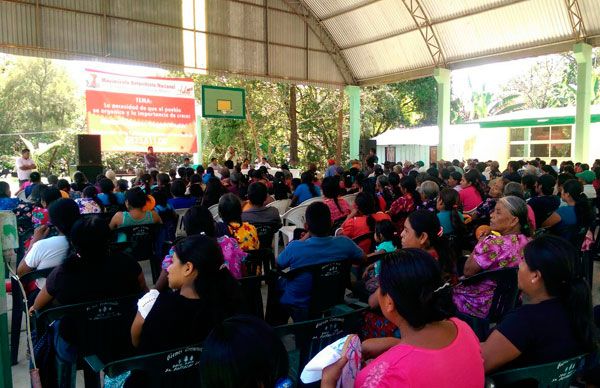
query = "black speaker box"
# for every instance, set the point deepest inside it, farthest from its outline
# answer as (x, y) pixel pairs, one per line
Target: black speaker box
(365, 146)
(88, 150)
(91, 172)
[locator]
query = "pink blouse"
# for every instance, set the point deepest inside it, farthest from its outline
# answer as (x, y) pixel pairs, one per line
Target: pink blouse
(470, 198)
(459, 364)
(336, 213)
(490, 253)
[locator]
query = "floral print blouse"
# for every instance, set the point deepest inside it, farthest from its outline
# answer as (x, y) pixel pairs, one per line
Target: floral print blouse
(490, 253)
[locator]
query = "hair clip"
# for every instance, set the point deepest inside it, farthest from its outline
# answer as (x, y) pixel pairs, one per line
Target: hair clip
(223, 266)
(284, 382)
(440, 288)
(441, 232)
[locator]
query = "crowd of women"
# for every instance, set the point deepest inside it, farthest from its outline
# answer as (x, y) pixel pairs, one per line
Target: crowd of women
(413, 224)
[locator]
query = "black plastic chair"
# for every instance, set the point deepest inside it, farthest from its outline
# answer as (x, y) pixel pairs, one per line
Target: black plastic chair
(328, 288)
(266, 231)
(101, 328)
(259, 261)
(557, 374)
(367, 236)
(171, 368)
(141, 244)
(251, 291)
(18, 308)
(504, 299)
(303, 340)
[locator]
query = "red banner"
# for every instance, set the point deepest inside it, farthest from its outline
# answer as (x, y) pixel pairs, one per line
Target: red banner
(133, 113)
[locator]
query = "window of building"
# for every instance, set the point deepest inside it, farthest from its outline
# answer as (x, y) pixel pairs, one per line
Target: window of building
(541, 142)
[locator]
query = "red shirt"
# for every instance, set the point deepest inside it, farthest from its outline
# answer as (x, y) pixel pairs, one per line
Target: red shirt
(357, 226)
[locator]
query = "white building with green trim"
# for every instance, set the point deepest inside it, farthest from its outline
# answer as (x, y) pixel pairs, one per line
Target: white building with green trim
(526, 134)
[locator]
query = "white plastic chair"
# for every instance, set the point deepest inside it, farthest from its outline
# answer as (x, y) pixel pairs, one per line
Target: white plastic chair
(350, 199)
(22, 196)
(292, 219)
(313, 199)
(281, 205)
(180, 231)
(214, 210)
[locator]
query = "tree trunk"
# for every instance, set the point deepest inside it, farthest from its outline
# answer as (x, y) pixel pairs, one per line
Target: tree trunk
(293, 127)
(250, 123)
(340, 124)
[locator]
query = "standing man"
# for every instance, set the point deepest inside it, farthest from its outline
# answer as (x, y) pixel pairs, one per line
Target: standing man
(151, 160)
(186, 163)
(25, 166)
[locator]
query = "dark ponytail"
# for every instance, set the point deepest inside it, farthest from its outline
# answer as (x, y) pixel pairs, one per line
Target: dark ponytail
(107, 187)
(91, 192)
(554, 256)
(307, 178)
(451, 202)
(387, 230)
(412, 278)
(474, 178)
(146, 179)
(214, 283)
(365, 203)
(583, 211)
(409, 184)
(425, 221)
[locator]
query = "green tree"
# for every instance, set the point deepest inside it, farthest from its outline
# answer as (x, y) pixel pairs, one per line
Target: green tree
(39, 100)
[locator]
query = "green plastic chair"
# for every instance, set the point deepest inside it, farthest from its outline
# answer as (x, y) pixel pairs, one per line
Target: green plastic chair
(99, 327)
(555, 375)
(303, 340)
(171, 368)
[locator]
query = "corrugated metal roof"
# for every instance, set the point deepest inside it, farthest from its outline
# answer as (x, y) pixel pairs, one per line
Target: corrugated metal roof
(332, 42)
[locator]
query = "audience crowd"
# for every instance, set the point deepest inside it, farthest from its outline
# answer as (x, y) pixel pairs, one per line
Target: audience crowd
(411, 235)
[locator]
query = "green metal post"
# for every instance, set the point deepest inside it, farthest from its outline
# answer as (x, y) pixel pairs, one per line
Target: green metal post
(583, 56)
(353, 93)
(5, 367)
(198, 153)
(442, 77)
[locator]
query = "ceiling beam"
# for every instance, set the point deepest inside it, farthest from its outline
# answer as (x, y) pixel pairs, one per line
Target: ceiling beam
(305, 13)
(417, 12)
(346, 10)
(576, 20)
(433, 23)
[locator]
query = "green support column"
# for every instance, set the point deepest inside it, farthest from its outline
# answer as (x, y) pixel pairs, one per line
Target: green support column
(353, 93)
(198, 153)
(442, 77)
(583, 56)
(5, 366)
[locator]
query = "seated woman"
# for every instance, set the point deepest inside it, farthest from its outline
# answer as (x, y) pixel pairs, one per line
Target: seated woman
(429, 193)
(214, 191)
(515, 189)
(383, 192)
(198, 220)
(180, 200)
(89, 202)
(135, 202)
(48, 252)
(501, 249)
(435, 350)
(90, 273)
(471, 194)
(6, 202)
(112, 201)
(306, 190)
(555, 294)
(361, 221)
(244, 351)
(405, 204)
(338, 207)
(205, 294)
(450, 213)
(483, 211)
(422, 230)
(230, 211)
(577, 212)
